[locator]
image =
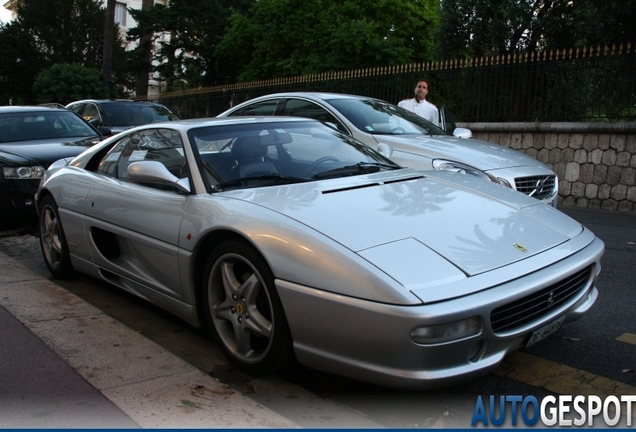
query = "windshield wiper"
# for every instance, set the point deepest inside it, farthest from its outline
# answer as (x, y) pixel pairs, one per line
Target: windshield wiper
(274, 178)
(359, 168)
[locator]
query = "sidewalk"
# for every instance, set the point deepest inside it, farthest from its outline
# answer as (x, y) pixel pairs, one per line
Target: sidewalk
(65, 364)
(39, 390)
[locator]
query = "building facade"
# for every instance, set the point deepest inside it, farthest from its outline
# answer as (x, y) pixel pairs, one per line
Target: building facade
(125, 21)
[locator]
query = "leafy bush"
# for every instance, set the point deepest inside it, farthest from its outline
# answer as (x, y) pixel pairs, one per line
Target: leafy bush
(64, 83)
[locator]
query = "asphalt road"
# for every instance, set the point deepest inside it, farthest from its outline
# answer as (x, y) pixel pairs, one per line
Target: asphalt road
(595, 355)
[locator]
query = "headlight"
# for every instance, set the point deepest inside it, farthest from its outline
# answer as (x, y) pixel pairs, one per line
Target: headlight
(24, 173)
(446, 165)
(504, 182)
(446, 332)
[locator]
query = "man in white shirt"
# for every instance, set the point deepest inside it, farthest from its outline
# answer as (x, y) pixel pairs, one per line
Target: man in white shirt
(419, 105)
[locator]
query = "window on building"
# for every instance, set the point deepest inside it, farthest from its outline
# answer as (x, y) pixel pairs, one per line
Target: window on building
(120, 14)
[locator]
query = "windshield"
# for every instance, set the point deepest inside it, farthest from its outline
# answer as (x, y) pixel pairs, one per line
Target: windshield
(45, 125)
(382, 118)
(272, 153)
(135, 114)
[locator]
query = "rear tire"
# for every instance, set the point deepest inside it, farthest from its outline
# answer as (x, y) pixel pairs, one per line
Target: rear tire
(52, 240)
(243, 310)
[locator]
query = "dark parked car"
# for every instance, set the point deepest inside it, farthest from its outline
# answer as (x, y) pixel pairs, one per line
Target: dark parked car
(120, 115)
(31, 139)
(52, 105)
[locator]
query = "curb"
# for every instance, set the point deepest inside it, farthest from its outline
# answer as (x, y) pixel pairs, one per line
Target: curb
(152, 386)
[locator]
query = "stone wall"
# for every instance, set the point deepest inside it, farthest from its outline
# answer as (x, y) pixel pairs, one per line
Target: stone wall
(595, 162)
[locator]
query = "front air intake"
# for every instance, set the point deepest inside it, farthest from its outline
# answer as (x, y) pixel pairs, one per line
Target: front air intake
(536, 305)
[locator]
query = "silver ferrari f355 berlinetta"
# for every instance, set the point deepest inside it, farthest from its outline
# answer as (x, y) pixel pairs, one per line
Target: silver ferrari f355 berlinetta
(292, 242)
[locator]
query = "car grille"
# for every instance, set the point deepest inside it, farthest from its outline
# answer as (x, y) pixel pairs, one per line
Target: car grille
(539, 186)
(536, 305)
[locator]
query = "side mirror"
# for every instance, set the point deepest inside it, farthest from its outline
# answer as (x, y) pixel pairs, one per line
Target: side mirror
(462, 133)
(385, 150)
(105, 130)
(156, 173)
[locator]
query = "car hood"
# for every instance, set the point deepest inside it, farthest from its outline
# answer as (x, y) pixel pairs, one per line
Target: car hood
(484, 155)
(44, 152)
(476, 226)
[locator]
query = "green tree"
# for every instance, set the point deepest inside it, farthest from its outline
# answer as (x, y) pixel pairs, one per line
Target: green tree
(294, 37)
(187, 58)
(20, 63)
(48, 32)
(585, 23)
(64, 83)
(474, 28)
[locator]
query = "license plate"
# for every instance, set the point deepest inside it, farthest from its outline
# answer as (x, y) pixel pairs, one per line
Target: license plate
(545, 331)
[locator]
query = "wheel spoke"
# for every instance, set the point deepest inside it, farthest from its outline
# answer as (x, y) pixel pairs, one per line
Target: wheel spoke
(224, 310)
(47, 221)
(258, 324)
(243, 339)
(50, 237)
(55, 237)
(231, 285)
(249, 289)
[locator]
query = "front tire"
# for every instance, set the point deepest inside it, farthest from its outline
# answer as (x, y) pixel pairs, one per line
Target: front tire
(52, 240)
(244, 311)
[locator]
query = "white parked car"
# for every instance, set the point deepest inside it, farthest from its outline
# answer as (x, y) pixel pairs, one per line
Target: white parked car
(413, 141)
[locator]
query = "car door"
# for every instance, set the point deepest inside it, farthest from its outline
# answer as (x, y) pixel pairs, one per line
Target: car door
(132, 228)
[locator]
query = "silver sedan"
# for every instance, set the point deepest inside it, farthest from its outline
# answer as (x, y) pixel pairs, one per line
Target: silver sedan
(415, 142)
(292, 242)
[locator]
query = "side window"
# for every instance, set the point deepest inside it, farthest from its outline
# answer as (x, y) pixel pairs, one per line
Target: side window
(108, 165)
(165, 146)
(90, 112)
(160, 145)
(77, 108)
(263, 108)
(303, 108)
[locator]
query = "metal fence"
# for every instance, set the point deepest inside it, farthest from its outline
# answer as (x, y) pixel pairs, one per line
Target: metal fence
(592, 84)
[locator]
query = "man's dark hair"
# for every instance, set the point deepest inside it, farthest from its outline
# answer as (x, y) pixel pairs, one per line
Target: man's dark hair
(425, 80)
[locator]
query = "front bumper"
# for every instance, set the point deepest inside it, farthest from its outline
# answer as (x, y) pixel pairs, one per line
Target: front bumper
(17, 197)
(371, 341)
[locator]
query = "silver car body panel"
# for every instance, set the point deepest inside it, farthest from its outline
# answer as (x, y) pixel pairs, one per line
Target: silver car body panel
(377, 213)
(481, 154)
(368, 257)
(346, 341)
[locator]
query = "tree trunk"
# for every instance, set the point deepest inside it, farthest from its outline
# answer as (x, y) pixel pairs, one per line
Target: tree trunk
(109, 39)
(145, 57)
